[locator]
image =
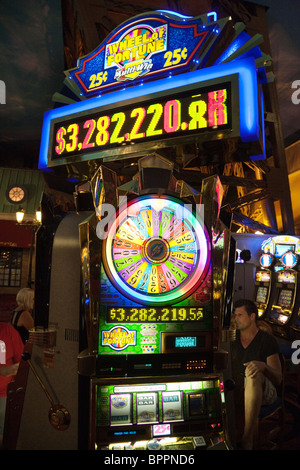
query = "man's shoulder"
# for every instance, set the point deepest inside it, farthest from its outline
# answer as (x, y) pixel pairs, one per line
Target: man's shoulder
(265, 335)
(267, 339)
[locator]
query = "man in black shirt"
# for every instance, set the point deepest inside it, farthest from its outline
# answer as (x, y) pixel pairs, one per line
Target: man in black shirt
(256, 356)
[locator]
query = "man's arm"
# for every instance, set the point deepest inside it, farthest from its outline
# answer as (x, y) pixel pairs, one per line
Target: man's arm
(273, 369)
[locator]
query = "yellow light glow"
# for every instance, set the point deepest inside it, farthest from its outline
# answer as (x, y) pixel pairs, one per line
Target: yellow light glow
(38, 216)
(20, 215)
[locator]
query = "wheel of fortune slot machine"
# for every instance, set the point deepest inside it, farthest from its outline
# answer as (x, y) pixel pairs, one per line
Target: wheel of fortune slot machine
(155, 386)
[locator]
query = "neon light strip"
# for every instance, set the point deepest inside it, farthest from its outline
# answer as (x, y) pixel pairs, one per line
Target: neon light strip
(174, 13)
(261, 156)
(248, 99)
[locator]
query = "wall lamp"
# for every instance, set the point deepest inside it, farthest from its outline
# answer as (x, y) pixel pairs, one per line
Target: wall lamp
(35, 222)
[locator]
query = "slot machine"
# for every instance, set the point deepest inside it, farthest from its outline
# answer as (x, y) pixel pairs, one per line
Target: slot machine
(156, 384)
(263, 284)
(286, 289)
(285, 301)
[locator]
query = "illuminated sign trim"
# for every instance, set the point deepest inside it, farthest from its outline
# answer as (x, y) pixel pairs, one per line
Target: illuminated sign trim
(269, 245)
(245, 119)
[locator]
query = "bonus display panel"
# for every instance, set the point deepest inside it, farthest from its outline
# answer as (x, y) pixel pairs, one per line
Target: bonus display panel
(155, 281)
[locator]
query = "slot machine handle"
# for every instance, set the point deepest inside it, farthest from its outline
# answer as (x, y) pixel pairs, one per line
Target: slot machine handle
(58, 415)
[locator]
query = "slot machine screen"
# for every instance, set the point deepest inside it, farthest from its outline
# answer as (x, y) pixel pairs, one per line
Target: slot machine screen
(183, 341)
(261, 296)
(280, 249)
(285, 298)
(196, 404)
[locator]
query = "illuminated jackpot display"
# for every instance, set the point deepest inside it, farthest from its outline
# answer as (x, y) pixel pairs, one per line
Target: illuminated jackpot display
(200, 110)
(156, 252)
(216, 103)
(154, 315)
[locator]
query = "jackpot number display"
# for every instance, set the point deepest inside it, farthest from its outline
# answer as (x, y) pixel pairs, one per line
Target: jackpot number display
(156, 251)
(196, 112)
(154, 315)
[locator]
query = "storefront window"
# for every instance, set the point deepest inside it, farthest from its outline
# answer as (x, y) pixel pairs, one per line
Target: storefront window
(10, 267)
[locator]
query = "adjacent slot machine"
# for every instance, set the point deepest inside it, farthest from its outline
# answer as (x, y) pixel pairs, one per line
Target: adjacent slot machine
(284, 302)
(286, 289)
(263, 284)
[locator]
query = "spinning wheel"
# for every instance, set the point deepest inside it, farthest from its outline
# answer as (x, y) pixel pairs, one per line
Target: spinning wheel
(157, 250)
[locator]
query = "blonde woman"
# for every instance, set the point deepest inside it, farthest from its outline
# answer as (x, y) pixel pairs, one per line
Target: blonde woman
(21, 318)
